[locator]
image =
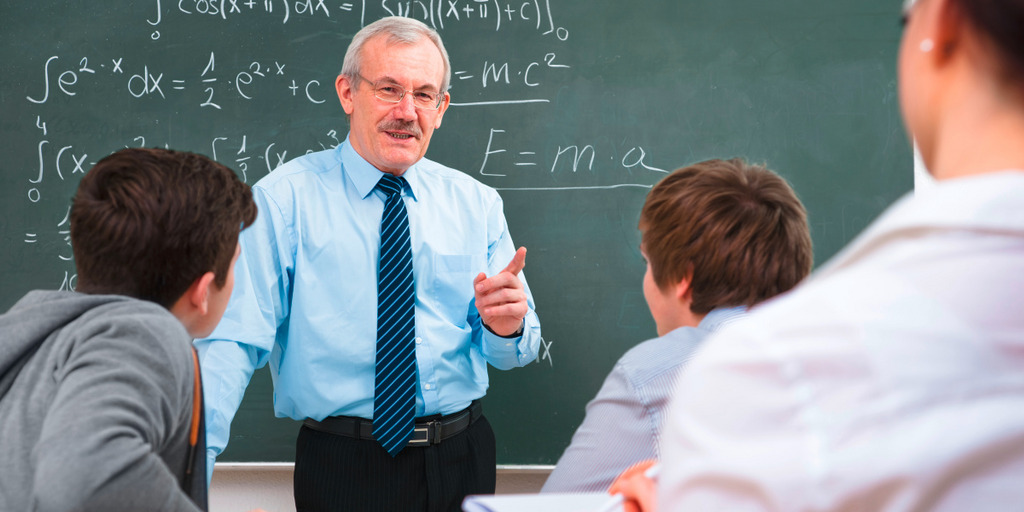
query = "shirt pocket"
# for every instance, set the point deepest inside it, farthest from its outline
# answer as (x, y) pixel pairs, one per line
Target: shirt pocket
(453, 285)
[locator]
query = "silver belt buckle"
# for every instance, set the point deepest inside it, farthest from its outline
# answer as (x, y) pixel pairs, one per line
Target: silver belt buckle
(420, 436)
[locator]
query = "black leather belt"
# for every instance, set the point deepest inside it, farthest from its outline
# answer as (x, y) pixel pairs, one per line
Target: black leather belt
(426, 432)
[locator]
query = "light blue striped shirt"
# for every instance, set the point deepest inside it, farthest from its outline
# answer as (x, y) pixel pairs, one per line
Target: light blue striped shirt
(623, 422)
(305, 296)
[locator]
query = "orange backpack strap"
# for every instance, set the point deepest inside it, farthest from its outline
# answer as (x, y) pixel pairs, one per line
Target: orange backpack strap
(194, 482)
(197, 406)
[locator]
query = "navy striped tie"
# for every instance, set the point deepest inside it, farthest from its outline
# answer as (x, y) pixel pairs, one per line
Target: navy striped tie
(394, 399)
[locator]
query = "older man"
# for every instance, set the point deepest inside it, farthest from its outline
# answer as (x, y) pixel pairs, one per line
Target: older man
(365, 285)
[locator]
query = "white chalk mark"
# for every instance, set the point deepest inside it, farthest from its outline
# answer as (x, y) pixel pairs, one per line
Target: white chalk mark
(596, 187)
(499, 102)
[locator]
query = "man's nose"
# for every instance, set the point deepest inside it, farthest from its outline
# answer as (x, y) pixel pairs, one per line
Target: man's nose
(405, 108)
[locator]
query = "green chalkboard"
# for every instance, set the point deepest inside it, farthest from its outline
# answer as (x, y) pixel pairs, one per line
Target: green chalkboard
(571, 108)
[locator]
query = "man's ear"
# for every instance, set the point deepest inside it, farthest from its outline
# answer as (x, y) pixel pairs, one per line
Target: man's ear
(343, 85)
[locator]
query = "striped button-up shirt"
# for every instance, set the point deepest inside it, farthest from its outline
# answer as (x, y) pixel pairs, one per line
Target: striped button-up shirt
(623, 422)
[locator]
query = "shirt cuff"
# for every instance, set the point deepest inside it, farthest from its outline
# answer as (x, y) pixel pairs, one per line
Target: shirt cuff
(518, 333)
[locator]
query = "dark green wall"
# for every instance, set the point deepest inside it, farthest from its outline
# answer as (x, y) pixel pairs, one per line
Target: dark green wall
(635, 88)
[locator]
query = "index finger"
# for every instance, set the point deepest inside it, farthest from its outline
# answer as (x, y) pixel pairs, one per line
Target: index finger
(518, 262)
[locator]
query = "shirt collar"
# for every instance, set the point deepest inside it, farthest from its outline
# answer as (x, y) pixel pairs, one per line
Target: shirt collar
(720, 317)
(365, 176)
(985, 202)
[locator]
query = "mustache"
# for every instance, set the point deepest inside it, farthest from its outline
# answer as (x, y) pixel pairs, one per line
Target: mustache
(395, 125)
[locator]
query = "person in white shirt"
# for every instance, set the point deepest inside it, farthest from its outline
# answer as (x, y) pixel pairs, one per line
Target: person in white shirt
(719, 236)
(893, 378)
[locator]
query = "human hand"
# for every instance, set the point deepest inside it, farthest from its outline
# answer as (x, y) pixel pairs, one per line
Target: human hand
(637, 487)
(500, 299)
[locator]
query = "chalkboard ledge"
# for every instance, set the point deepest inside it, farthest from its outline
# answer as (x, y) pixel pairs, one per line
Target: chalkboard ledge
(244, 486)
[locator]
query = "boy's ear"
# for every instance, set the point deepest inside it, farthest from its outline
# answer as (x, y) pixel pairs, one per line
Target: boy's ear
(682, 289)
(194, 304)
(198, 293)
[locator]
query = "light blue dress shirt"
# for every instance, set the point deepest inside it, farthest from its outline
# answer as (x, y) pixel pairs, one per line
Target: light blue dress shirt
(305, 296)
(623, 422)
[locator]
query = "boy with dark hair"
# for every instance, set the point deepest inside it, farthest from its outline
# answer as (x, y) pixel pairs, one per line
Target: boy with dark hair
(100, 402)
(719, 237)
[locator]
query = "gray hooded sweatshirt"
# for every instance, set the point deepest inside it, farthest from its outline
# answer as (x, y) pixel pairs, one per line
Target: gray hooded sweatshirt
(95, 404)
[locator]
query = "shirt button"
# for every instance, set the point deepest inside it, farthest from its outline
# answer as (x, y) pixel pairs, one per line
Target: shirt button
(426, 386)
(419, 340)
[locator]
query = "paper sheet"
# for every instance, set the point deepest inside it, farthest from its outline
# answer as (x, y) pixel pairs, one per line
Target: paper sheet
(553, 502)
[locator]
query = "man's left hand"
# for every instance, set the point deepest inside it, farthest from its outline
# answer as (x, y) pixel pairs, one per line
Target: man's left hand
(500, 299)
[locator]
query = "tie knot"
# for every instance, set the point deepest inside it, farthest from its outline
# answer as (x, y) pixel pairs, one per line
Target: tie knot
(390, 184)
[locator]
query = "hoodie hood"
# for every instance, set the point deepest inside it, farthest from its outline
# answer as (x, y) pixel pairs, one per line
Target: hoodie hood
(25, 327)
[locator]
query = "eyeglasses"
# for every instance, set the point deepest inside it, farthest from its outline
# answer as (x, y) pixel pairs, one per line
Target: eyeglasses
(393, 93)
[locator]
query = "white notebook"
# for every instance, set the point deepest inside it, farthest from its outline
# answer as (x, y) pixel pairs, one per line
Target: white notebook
(553, 502)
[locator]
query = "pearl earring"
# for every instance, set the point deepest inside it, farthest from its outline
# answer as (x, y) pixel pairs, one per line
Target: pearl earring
(927, 45)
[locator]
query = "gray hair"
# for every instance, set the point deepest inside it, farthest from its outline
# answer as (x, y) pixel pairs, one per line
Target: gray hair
(399, 30)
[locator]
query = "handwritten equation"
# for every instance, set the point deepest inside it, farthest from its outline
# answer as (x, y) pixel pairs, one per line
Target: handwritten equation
(61, 166)
(61, 77)
(436, 13)
(571, 158)
(69, 76)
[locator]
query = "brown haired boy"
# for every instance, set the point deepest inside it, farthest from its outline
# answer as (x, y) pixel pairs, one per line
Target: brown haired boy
(98, 391)
(718, 237)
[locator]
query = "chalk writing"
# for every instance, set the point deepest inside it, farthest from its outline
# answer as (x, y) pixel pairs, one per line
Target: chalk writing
(46, 83)
(156, 33)
(66, 234)
(494, 73)
(144, 81)
(436, 13)
(545, 352)
(217, 81)
(68, 284)
(572, 158)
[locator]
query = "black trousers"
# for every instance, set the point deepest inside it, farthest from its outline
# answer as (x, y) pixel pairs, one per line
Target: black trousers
(338, 473)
